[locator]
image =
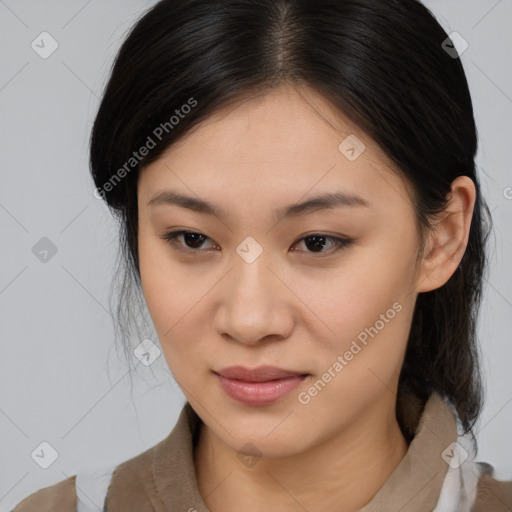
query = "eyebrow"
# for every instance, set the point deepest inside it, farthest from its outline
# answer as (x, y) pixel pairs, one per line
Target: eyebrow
(321, 202)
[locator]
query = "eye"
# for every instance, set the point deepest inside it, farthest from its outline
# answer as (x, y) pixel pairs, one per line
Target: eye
(190, 237)
(315, 242)
(318, 241)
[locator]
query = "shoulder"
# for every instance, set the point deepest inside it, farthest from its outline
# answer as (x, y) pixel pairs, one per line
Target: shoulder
(135, 484)
(123, 485)
(57, 497)
(492, 495)
(128, 481)
(132, 483)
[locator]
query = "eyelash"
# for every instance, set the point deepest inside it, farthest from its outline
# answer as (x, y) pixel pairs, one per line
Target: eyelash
(341, 243)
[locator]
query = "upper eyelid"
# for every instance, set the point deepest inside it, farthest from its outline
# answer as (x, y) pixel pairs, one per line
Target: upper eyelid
(340, 240)
(178, 232)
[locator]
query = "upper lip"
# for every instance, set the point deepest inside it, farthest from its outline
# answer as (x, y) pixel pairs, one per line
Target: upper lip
(259, 374)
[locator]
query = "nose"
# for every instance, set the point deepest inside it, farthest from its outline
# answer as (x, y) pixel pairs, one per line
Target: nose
(255, 306)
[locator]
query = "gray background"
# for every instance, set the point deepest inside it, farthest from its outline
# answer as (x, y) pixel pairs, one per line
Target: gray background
(61, 379)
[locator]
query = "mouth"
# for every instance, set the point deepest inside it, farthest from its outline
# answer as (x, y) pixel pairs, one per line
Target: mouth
(259, 386)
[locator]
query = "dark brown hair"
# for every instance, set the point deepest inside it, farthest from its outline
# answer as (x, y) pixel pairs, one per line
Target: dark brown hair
(381, 64)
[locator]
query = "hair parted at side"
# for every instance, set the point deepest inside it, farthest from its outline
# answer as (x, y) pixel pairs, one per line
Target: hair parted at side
(380, 64)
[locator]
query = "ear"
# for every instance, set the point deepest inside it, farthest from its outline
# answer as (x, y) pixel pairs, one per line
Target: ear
(448, 240)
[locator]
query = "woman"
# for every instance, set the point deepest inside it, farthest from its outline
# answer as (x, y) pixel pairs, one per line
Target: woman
(298, 203)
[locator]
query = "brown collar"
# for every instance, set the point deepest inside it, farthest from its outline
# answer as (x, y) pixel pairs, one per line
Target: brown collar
(163, 478)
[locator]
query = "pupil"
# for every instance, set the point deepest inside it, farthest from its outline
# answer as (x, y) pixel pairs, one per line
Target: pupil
(189, 235)
(316, 243)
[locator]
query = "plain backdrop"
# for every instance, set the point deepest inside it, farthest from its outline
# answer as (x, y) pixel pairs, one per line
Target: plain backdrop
(61, 381)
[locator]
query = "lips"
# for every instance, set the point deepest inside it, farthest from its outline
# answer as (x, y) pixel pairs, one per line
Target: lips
(259, 386)
(260, 374)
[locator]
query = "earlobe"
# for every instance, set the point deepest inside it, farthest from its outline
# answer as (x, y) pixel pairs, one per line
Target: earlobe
(448, 239)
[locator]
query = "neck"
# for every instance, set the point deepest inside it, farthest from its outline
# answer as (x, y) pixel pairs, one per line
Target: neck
(342, 473)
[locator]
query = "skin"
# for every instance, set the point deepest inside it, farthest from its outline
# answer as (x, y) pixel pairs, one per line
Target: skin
(292, 307)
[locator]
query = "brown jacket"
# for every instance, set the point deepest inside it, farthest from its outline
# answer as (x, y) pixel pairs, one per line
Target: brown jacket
(162, 479)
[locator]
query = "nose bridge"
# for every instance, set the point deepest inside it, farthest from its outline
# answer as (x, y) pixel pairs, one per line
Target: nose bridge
(253, 306)
(253, 281)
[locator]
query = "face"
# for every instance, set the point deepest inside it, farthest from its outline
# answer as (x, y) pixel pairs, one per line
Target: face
(324, 292)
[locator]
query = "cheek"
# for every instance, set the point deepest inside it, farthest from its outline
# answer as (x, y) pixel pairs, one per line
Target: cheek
(167, 289)
(179, 323)
(365, 308)
(347, 299)
(155, 280)
(175, 296)
(162, 284)
(370, 313)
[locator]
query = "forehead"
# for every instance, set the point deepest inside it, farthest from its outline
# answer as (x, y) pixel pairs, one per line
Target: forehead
(277, 147)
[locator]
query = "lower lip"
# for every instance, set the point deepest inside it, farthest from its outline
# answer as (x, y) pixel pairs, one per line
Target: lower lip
(259, 393)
